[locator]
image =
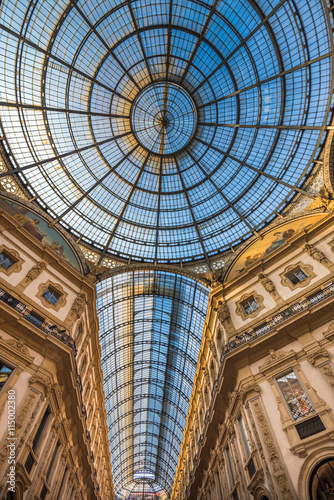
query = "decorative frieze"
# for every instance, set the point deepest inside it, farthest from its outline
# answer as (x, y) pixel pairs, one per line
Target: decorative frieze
(276, 359)
(17, 347)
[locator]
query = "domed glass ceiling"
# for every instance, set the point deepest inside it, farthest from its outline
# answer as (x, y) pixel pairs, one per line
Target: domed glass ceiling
(164, 130)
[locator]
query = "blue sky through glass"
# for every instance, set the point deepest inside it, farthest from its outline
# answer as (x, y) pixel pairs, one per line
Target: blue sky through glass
(262, 92)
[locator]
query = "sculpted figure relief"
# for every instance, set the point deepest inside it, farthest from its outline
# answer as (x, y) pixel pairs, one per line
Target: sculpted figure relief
(35, 272)
(78, 305)
(223, 312)
(317, 255)
(269, 286)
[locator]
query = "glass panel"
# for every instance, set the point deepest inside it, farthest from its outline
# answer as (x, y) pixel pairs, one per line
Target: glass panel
(296, 275)
(225, 132)
(250, 305)
(244, 436)
(6, 260)
(5, 372)
(151, 326)
(51, 295)
(295, 396)
(322, 482)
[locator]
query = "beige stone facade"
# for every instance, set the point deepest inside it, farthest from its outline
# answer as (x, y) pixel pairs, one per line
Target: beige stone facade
(49, 342)
(244, 438)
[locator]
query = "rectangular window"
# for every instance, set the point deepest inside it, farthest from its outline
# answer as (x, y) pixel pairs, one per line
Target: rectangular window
(295, 396)
(296, 275)
(310, 427)
(219, 486)
(6, 260)
(83, 364)
(48, 474)
(29, 463)
(250, 305)
(251, 468)
(52, 295)
(62, 484)
(78, 332)
(5, 373)
(40, 429)
(43, 493)
(230, 466)
(244, 436)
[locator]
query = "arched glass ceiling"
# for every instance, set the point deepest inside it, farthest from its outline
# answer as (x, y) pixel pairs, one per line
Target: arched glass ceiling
(84, 81)
(151, 326)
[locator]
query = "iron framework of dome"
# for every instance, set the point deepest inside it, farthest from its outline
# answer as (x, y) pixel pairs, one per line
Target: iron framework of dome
(164, 131)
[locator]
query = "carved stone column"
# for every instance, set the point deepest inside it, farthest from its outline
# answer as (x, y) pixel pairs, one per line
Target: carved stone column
(260, 450)
(281, 478)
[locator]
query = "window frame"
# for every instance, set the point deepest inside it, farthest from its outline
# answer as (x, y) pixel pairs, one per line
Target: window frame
(305, 268)
(16, 266)
(284, 374)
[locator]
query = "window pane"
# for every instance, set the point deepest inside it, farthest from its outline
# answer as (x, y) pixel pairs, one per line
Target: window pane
(250, 305)
(5, 372)
(51, 295)
(295, 396)
(6, 260)
(296, 275)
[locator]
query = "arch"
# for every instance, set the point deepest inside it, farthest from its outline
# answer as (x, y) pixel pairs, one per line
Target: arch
(308, 467)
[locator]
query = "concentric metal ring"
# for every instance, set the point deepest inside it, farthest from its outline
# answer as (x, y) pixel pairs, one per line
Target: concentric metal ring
(163, 118)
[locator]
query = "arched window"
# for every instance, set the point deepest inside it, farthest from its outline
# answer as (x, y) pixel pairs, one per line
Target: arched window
(322, 481)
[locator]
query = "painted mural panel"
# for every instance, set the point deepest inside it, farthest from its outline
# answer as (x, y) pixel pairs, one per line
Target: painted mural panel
(40, 230)
(272, 240)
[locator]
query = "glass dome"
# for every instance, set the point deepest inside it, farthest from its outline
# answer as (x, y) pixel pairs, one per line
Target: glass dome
(164, 131)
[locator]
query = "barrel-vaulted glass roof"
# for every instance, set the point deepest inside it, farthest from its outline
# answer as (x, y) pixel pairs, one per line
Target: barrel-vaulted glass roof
(151, 326)
(164, 130)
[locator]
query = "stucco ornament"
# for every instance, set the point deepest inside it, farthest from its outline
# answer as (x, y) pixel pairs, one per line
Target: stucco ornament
(34, 272)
